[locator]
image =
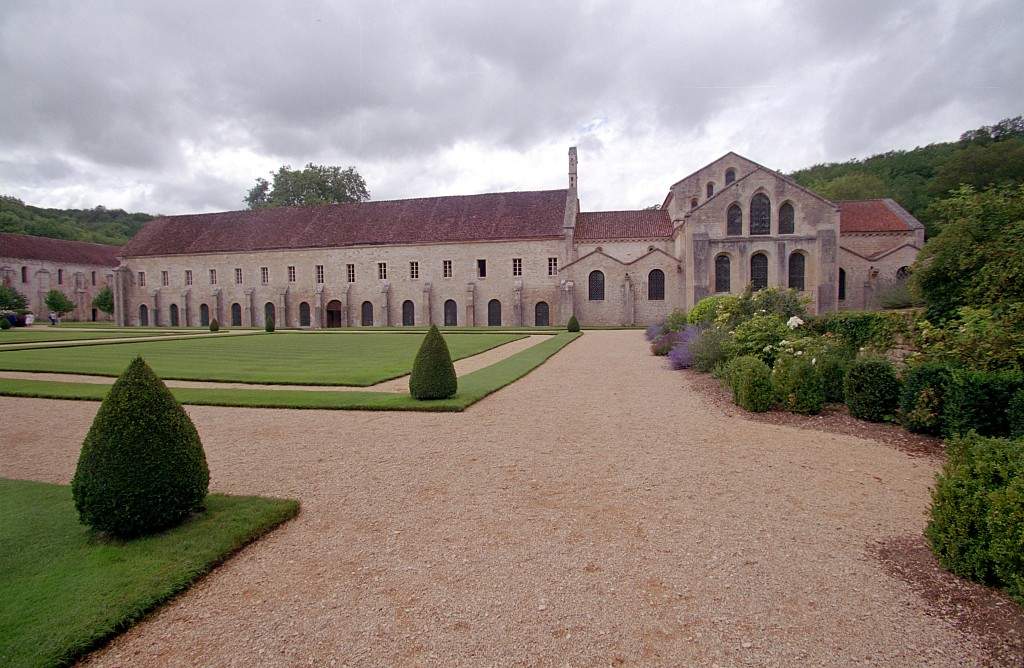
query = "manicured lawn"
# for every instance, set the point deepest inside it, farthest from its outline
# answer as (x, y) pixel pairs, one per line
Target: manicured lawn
(44, 334)
(64, 590)
(472, 388)
(357, 359)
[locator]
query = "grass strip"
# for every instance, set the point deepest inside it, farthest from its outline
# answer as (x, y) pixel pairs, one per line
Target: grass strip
(65, 590)
(472, 388)
(49, 335)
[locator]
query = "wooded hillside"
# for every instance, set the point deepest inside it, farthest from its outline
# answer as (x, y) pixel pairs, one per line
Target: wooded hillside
(99, 225)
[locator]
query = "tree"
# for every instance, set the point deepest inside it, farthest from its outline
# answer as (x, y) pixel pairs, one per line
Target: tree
(310, 186)
(11, 299)
(857, 185)
(142, 468)
(433, 374)
(104, 300)
(59, 303)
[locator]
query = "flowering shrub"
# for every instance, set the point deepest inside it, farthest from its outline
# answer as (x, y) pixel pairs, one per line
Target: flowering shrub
(681, 355)
(759, 336)
(653, 331)
(797, 384)
(872, 390)
(706, 310)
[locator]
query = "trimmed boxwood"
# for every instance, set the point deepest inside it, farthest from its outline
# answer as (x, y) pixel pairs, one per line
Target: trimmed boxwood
(832, 368)
(976, 527)
(751, 383)
(980, 400)
(574, 324)
(269, 325)
(433, 374)
(214, 325)
(142, 468)
(922, 396)
(872, 390)
(797, 385)
(5, 323)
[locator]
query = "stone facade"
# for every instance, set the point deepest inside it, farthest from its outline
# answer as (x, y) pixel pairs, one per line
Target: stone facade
(607, 268)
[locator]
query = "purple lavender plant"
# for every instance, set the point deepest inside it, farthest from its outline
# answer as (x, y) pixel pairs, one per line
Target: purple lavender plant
(680, 356)
(654, 331)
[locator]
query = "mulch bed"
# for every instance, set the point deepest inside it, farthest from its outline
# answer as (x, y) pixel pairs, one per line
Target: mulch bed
(991, 617)
(835, 419)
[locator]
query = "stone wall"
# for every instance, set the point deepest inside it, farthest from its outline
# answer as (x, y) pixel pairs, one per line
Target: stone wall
(79, 282)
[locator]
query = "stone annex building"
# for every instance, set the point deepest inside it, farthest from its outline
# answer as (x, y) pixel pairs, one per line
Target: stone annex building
(35, 265)
(514, 258)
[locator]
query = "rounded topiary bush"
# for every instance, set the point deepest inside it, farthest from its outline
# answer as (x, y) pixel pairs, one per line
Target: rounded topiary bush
(922, 396)
(751, 383)
(832, 368)
(214, 325)
(269, 324)
(872, 389)
(797, 385)
(142, 467)
(5, 323)
(433, 374)
(574, 324)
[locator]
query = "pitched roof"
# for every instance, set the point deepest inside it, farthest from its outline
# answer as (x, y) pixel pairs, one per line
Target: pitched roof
(875, 215)
(643, 224)
(487, 217)
(27, 247)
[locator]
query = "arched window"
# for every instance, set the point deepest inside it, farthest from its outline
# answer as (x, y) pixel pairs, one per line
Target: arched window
(236, 315)
(730, 175)
(760, 214)
(174, 315)
(541, 315)
(334, 314)
(408, 313)
(367, 314)
(451, 313)
(24, 274)
(758, 271)
(796, 271)
(710, 189)
(143, 315)
(304, 318)
(269, 313)
(842, 284)
(734, 220)
(722, 274)
(903, 273)
(787, 219)
(656, 285)
(693, 203)
(596, 286)
(494, 313)
(204, 315)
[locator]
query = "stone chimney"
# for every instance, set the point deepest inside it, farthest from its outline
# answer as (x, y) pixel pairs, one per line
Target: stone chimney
(572, 168)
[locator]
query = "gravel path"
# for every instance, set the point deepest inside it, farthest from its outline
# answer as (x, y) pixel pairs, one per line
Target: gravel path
(596, 512)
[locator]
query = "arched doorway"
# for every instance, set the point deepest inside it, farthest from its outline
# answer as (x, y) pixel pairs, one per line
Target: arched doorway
(541, 314)
(269, 313)
(367, 314)
(236, 315)
(304, 314)
(143, 315)
(204, 315)
(408, 313)
(451, 313)
(174, 315)
(334, 313)
(494, 313)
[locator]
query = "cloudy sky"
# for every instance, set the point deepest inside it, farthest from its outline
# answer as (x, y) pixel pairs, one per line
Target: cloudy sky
(173, 107)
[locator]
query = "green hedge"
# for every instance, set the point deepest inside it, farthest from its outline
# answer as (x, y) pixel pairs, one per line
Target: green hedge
(872, 390)
(859, 329)
(797, 385)
(751, 382)
(832, 368)
(980, 400)
(923, 395)
(977, 516)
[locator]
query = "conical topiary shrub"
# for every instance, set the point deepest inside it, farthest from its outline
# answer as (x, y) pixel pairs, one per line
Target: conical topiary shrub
(269, 324)
(433, 374)
(142, 467)
(574, 324)
(214, 325)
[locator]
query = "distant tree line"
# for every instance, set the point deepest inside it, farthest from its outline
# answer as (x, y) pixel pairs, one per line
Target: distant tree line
(99, 225)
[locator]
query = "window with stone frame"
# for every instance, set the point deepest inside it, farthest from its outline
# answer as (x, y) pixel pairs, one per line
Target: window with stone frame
(517, 266)
(760, 214)
(94, 278)
(693, 203)
(797, 263)
(60, 277)
(291, 274)
(734, 220)
(165, 279)
(723, 271)
(382, 271)
(319, 274)
(656, 285)
(414, 270)
(350, 273)
(787, 219)
(238, 275)
(188, 277)
(142, 279)
(24, 274)
(481, 268)
(730, 175)
(552, 266)
(446, 268)
(842, 284)
(264, 275)
(213, 277)
(710, 189)
(595, 286)
(758, 271)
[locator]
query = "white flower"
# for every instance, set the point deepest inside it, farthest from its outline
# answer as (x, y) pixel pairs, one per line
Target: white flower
(814, 360)
(767, 348)
(799, 353)
(794, 322)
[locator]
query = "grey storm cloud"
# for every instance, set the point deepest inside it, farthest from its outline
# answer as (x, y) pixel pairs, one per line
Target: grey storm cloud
(116, 100)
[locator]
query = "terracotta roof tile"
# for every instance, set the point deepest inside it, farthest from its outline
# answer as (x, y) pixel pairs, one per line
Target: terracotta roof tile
(487, 217)
(875, 215)
(643, 224)
(27, 247)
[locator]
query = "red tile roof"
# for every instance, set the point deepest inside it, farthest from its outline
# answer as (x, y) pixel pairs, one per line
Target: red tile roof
(27, 247)
(488, 217)
(643, 224)
(875, 215)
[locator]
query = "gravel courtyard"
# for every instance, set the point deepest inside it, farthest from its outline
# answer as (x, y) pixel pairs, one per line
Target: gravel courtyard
(597, 512)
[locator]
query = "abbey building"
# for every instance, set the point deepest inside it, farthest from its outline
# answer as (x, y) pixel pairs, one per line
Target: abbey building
(514, 258)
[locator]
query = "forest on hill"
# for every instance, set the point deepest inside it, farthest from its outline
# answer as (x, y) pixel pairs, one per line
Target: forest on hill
(920, 178)
(99, 225)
